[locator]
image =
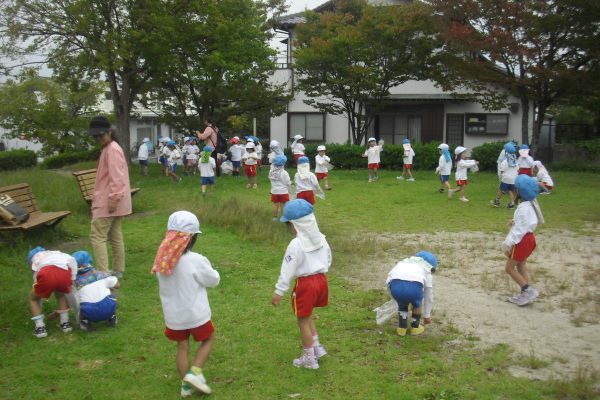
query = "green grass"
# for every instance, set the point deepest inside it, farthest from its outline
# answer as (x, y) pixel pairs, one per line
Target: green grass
(256, 342)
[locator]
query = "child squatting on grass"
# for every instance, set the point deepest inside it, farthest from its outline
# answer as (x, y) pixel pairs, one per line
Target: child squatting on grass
(183, 277)
(520, 241)
(373, 157)
(307, 258)
(410, 282)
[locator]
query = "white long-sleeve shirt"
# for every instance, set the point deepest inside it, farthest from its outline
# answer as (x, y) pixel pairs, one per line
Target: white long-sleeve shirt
(297, 262)
(461, 169)
(321, 163)
(96, 291)
(192, 152)
(174, 155)
(544, 177)
(143, 152)
(183, 293)
(524, 220)
(281, 185)
(408, 156)
(525, 162)
(236, 150)
(298, 148)
(414, 269)
(373, 154)
(54, 258)
(444, 167)
(304, 185)
(508, 174)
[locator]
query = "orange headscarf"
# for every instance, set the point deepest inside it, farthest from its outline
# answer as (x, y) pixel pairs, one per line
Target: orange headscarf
(170, 250)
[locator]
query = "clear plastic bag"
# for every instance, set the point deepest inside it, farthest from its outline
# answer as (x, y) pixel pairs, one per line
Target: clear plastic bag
(385, 311)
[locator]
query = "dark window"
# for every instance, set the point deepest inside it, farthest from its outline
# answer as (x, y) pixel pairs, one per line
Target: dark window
(310, 125)
(486, 124)
(454, 129)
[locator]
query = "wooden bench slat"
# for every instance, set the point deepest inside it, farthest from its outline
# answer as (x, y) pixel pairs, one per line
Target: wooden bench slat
(86, 180)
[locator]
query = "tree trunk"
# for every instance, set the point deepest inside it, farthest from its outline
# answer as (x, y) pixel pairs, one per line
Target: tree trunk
(525, 120)
(123, 134)
(537, 126)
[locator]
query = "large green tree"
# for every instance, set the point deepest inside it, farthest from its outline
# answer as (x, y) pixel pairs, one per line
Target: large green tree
(56, 113)
(348, 58)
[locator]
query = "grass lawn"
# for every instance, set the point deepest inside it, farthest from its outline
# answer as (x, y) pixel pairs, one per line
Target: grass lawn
(255, 342)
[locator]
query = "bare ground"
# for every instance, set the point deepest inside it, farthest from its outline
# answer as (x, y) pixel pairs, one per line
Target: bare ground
(557, 336)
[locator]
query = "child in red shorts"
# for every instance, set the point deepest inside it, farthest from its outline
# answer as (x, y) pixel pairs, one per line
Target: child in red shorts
(280, 184)
(322, 166)
(307, 184)
(520, 241)
(250, 160)
(307, 258)
(53, 272)
(462, 165)
(407, 160)
(373, 155)
(183, 277)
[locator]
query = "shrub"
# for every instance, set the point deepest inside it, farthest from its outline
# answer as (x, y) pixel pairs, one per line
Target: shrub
(16, 159)
(591, 147)
(487, 154)
(61, 160)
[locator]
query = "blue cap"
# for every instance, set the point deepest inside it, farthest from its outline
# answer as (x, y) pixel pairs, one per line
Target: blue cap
(33, 252)
(510, 148)
(208, 148)
(430, 258)
(279, 160)
(171, 143)
(83, 258)
(527, 187)
(303, 160)
(524, 147)
(296, 209)
(406, 141)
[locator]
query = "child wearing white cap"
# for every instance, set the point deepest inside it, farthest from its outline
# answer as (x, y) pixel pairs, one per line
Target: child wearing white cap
(307, 184)
(250, 160)
(174, 156)
(444, 167)
(322, 166)
(462, 165)
(191, 151)
(543, 178)
(407, 160)
(372, 154)
(297, 147)
(183, 277)
(143, 157)
(307, 258)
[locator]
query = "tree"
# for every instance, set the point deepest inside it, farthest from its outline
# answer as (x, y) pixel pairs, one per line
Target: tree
(348, 59)
(540, 50)
(54, 112)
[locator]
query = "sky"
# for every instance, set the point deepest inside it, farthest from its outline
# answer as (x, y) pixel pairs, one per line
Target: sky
(300, 5)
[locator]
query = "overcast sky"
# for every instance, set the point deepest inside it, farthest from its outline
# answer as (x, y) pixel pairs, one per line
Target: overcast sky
(300, 5)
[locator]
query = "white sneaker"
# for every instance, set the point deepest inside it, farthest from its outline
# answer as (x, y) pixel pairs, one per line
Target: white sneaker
(305, 361)
(320, 351)
(186, 392)
(370, 180)
(464, 199)
(522, 299)
(400, 178)
(411, 179)
(514, 299)
(198, 382)
(532, 294)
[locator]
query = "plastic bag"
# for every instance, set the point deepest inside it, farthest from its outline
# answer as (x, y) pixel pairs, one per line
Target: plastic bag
(227, 167)
(385, 311)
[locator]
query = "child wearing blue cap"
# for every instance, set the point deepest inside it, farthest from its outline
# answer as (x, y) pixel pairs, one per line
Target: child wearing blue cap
(444, 167)
(280, 184)
(373, 156)
(508, 170)
(307, 258)
(96, 300)
(207, 167)
(525, 160)
(174, 156)
(407, 159)
(520, 241)
(307, 184)
(411, 283)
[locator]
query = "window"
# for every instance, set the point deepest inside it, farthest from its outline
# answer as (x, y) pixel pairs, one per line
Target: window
(309, 125)
(486, 124)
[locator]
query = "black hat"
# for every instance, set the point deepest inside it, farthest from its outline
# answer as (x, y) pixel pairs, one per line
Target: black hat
(99, 126)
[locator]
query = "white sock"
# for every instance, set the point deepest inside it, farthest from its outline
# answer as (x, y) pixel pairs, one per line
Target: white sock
(39, 321)
(64, 315)
(310, 353)
(316, 340)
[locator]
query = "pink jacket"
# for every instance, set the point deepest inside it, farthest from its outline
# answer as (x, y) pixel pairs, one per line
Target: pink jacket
(209, 136)
(112, 184)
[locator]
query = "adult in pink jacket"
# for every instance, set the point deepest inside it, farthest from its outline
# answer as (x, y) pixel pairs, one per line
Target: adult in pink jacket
(111, 200)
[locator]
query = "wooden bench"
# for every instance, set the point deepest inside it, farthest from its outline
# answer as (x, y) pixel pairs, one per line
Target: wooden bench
(86, 180)
(23, 195)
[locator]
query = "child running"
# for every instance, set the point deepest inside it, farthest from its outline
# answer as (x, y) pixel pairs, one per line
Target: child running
(407, 159)
(307, 184)
(520, 241)
(322, 166)
(462, 166)
(183, 277)
(250, 159)
(373, 157)
(280, 185)
(508, 173)
(236, 150)
(297, 148)
(410, 282)
(207, 168)
(543, 178)
(174, 155)
(444, 167)
(525, 161)
(307, 258)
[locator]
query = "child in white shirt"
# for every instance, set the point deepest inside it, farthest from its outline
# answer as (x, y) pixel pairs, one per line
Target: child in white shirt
(174, 155)
(410, 283)
(183, 277)
(250, 159)
(192, 151)
(307, 258)
(143, 157)
(407, 159)
(462, 166)
(276, 150)
(545, 182)
(307, 184)
(373, 157)
(444, 167)
(297, 148)
(280, 184)
(322, 166)
(236, 150)
(164, 153)
(508, 173)
(207, 167)
(525, 161)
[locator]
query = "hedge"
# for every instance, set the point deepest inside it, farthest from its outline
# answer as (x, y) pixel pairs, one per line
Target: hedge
(61, 160)
(15, 159)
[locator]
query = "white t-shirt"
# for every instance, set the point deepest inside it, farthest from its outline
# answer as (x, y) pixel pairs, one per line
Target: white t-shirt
(297, 262)
(250, 158)
(192, 152)
(461, 169)
(298, 148)
(321, 163)
(165, 152)
(56, 259)
(281, 185)
(415, 269)
(408, 156)
(183, 293)
(373, 153)
(174, 155)
(444, 167)
(207, 169)
(544, 177)
(508, 174)
(143, 152)
(97, 291)
(525, 162)
(236, 151)
(304, 185)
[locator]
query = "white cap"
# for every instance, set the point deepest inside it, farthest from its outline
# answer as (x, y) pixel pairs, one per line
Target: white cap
(250, 145)
(443, 146)
(144, 140)
(321, 148)
(298, 137)
(164, 139)
(371, 139)
(459, 150)
(184, 221)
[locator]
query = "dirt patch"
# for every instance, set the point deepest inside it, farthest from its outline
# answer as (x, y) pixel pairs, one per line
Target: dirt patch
(556, 336)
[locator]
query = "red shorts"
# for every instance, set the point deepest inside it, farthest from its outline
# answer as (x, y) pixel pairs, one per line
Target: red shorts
(321, 175)
(547, 186)
(280, 198)
(309, 292)
(297, 156)
(199, 333)
(373, 166)
(525, 171)
(408, 166)
(524, 248)
(250, 170)
(309, 196)
(462, 182)
(52, 279)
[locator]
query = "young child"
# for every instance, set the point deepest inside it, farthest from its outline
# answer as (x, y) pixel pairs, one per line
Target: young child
(53, 272)
(174, 155)
(545, 182)
(373, 157)
(444, 167)
(276, 150)
(96, 299)
(508, 173)
(207, 167)
(407, 159)
(307, 184)
(525, 161)
(322, 166)
(183, 277)
(143, 157)
(192, 152)
(520, 241)
(250, 159)
(259, 151)
(236, 150)
(462, 166)
(297, 147)
(280, 185)
(164, 153)
(307, 258)
(410, 282)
